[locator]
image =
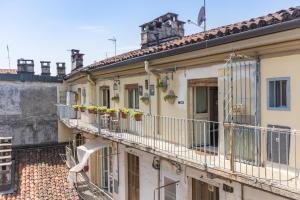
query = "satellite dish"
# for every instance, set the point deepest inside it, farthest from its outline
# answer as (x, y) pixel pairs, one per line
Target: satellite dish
(201, 16)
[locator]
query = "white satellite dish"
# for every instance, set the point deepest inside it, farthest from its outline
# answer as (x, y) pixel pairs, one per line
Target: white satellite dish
(201, 16)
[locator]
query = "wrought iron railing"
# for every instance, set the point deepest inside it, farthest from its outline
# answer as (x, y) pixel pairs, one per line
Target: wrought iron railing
(266, 154)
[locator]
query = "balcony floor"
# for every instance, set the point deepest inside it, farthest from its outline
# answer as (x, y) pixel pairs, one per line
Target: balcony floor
(278, 175)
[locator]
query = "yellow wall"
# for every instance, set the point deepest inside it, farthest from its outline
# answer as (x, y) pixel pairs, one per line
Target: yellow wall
(284, 66)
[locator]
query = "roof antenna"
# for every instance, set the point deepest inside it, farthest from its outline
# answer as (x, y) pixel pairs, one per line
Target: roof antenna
(201, 18)
(8, 56)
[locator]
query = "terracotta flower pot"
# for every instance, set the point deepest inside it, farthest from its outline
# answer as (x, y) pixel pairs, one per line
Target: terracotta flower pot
(112, 114)
(124, 115)
(101, 112)
(82, 109)
(91, 111)
(76, 109)
(138, 117)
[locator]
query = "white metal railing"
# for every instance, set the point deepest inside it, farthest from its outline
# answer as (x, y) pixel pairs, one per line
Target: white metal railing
(266, 154)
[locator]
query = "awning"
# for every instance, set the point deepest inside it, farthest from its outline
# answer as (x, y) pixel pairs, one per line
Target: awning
(83, 154)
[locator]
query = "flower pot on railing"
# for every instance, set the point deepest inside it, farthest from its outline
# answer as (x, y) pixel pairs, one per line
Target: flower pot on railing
(170, 97)
(92, 109)
(137, 115)
(124, 113)
(82, 108)
(101, 110)
(111, 112)
(75, 107)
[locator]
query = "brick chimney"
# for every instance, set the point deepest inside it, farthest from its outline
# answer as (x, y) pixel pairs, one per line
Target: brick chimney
(25, 66)
(162, 29)
(76, 59)
(61, 69)
(45, 66)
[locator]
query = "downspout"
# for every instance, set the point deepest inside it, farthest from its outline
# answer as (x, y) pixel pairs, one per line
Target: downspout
(149, 76)
(90, 79)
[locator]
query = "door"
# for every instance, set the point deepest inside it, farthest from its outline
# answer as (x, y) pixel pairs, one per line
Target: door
(205, 113)
(133, 177)
(204, 191)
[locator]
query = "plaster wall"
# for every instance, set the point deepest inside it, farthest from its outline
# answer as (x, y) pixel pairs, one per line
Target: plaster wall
(28, 112)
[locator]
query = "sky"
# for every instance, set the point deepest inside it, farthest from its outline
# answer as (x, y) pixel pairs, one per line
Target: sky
(48, 29)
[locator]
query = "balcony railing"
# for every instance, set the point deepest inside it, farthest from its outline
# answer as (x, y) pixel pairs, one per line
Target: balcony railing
(264, 154)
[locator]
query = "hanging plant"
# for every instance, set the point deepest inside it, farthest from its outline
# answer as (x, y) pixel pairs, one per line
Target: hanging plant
(75, 107)
(137, 114)
(170, 97)
(111, 112)
(101, 110)
(92, 109)
(82, 108)
(162, 85)
(124, 113)
(145, 99)
(115, 98)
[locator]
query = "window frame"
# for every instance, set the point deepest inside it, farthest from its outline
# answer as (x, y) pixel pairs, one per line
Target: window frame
(288, 94)
(107, 174)
(136, 104)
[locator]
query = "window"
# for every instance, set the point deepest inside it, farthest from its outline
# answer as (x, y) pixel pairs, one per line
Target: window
(105, 97)
(170, 190)
(278, 144)
(201, 100)
(107, 170)
(133, 177)
(278, 93)
(133, 96)
(204, 191)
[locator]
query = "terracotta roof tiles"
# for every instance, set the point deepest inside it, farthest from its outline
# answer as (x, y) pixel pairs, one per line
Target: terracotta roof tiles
(8, 71)
(41, 174)
(223, 31)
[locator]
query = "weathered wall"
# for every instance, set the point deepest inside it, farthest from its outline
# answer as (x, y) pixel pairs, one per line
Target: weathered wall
(28, 112)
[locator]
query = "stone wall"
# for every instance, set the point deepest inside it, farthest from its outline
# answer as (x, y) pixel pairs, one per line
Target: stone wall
(28, 112)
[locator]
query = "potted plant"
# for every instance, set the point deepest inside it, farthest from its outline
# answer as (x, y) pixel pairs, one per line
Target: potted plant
(101, 110)
(115, 98)
(145, 99)
(124, 112)
(92, 109)
(137, 114)
(170, 97)
(75, 107)
(162, 85)
(111, 112)
(82, 108)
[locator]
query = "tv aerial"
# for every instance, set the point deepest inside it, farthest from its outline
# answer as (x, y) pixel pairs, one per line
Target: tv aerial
(201, 20)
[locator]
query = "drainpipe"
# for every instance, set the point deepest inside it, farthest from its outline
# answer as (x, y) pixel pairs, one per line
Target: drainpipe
(149, 76)
(90, 79)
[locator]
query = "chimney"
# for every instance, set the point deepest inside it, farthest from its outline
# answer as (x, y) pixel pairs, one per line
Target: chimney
(76, 59)
(61, 69)
(45, 66)
(25, 66)
(162, 29)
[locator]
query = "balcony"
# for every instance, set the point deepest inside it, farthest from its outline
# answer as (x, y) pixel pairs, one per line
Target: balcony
(260, 155)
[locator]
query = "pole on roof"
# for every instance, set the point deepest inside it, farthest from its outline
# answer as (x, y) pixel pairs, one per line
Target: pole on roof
(114, 40)
(8, 56)
(204, 15)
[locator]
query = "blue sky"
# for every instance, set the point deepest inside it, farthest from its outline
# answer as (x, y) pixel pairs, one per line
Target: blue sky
(47, 29)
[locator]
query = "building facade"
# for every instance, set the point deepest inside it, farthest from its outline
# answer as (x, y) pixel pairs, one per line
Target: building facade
(218, 110)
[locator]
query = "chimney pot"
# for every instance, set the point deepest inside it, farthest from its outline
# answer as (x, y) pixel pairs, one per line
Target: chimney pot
(61, 69)
(76, 59)
(45, 66)
(25, 66)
